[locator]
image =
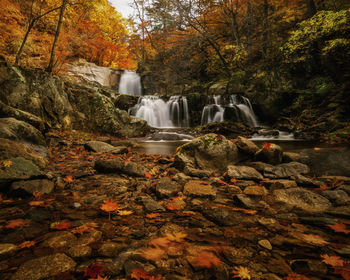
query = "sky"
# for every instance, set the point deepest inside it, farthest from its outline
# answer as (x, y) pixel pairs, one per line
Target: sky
(123, 7)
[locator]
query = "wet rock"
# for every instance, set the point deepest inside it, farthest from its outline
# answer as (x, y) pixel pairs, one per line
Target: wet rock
(249, 202)
(130, 265)
(44, 267)
(302, 199)
(340, 211)
(246, 146)
(272, 155)
(265, 244)
(13, 149)
(119, 166)
(238, 256)
(289, 157)
(89, 238)
(79, 251)
(13, 129)
(345, 251)
(11, 213)
(345, 188)
(210, 152)
(59, 239)
(318, 221)
(286, 170)
(338, 197)
(20, 169)
(7, 249)
(194, 172)
(279, 184)
(152, 205)
(181, 178)
(243, 172)
(305, 181)
(255, 191)
(279, 266)
(197, 189)
(167, 188)
(259, 166)
(103, 147)
(110, 249)
(39, 214)
(170, 136)
(30, 186)
(222, 216)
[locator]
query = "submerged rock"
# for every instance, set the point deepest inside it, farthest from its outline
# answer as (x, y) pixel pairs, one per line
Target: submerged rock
(119, 166)
(286, 170)
(243, 172)
(30, 186)
(103, 147)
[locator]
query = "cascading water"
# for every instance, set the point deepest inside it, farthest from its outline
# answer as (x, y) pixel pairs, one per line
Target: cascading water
(235, 107)
(161, 114)
(130, 83)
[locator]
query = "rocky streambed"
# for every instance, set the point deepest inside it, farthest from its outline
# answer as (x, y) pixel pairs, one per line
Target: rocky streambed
(93, 207)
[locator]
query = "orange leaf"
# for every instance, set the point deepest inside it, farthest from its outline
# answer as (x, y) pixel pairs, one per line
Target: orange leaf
(61, 225)
(313, 239)
(81, 229)
(26, 244)
(318, 150)
(148, 175)
(153, 254)
(15, 223)
(221, 182)
(152, 215)
(177, 237)
(332, 260)
(339, 228)
(109, 206)
(37, 203)
(159, 242)
(204, 182)
(207, 260)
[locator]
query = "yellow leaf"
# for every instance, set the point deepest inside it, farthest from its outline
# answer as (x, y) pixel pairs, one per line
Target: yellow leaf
(124, 212)
(241, 272)
(7, 163)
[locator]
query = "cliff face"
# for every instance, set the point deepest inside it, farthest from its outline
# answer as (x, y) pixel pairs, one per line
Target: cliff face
(45, 102)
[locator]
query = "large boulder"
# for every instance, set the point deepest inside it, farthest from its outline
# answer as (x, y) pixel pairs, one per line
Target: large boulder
(14, 129)
(13, 149)
(286, 170)
(272, 154)
(210, 152)
(100, 113)
(37, 93)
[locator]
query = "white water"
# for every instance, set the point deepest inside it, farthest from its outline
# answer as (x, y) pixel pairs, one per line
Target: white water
(130, 83)
(240, 105)
(161, 114)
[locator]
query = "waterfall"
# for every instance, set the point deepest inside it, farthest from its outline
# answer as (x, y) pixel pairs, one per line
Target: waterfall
(234, 107)
(130, 83)
(161, 114)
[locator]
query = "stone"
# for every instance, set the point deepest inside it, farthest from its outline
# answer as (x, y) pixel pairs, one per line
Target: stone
(345, 188)
(278, 266)
(89, 238)
(210, 152)
(243, 172)
(246, 146)
(119, 166)
(21, 169)
(44, 267)
(11, 213)
(7, 249)
(152, 205)
(30, 186)
(305, 181)
(13, 129)
(103, 147)
(194, 172)
(238, 256)
(167, 188)
(249, 202)
(110, 249)
(59, 239)
(196, 188)
(79, 251)
(338, 197)
(181, 178)
(258, 165)
(272, 155)
(223, 216)
(340, 211)
(13, 149)
(255, 191)
(289, 157)
(286, 170)
(345, 251)
(279, 184)
(302, 199)
(265, 244)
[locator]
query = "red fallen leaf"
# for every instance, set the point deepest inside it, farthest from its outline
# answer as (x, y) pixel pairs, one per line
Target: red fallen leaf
(295, 276)
(339, 228)
(109, 206)
(148, 175)
(26, 244)
(204, 182)
(207, 259)
(152, 215)
(221, 182)
(332, 260)
(139, 274)
(15, 223)
(267, 146)
(61, 225)
(94, 270)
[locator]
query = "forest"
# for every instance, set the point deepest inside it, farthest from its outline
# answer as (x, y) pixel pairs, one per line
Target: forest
(196, 139)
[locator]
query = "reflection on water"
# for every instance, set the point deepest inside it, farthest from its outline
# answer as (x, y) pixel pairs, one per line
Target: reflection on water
(160, 147)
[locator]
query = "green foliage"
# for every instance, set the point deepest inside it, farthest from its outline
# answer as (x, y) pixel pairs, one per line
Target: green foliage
(325, 33)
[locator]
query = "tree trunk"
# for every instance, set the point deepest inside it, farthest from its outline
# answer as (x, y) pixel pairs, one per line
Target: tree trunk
(311, 8)
(58, 30)
(265, 26)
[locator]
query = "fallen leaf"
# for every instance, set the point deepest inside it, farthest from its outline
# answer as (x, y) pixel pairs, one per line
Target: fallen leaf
(295, 276)
(313, 239)
(124, 212)
(109, 206)
(37, 203)
(152, 215)
(7, 163)
(94, 270)
(61, 225)
(162, 242)
(339, 228)
(343, 271)
(153, 253)
(15, 223)
(318, 150)
(207, 259)
(81, 229)
(332, 260)
(241, 272)
(26, 244)
(176, 237)
(68, 179)
(266, 146)
(148, 175)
